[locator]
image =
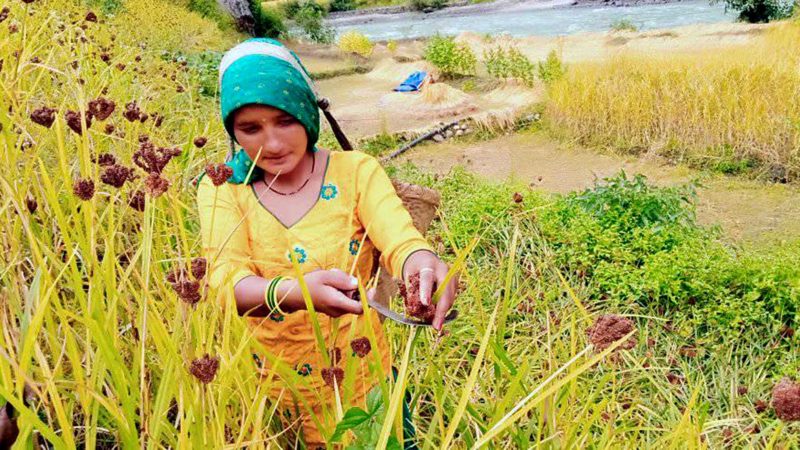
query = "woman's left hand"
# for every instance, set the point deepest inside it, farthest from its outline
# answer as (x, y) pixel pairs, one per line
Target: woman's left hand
(432, 273)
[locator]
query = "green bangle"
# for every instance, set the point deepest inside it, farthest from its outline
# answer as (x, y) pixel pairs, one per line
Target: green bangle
(271, 295)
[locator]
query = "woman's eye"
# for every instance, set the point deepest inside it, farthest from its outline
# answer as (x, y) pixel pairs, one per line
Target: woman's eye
(286, 121)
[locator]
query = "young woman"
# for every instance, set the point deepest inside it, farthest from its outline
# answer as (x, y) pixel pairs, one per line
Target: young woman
(306, 205)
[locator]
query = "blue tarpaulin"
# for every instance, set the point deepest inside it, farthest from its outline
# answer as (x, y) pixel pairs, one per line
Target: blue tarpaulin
(413, 82)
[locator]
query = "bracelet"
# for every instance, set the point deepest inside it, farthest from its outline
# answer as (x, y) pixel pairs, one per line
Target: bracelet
(270, 296)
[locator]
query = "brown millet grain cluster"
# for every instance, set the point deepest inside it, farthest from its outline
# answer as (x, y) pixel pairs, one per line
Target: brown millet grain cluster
(608, 329)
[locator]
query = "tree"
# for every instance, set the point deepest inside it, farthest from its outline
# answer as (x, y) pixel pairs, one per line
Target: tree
(761, 11)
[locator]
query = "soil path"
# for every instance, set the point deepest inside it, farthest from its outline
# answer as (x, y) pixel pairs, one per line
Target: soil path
(749, 212)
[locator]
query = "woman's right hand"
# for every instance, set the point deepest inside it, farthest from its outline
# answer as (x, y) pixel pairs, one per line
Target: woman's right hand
(326, 288)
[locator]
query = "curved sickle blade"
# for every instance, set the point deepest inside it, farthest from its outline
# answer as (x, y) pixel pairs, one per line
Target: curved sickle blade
(388, 313)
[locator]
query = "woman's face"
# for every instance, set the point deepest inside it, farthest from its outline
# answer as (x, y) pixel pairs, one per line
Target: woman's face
(280, 138)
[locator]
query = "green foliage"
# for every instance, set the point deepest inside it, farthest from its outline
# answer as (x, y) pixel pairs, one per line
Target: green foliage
(379, 144)
(632, 242)
(203, 66)
(623, 25)
(328, 141)
(210, 9)
(482, 208)
(631, 245)
(450, 58)
(761, 11)
(552, 68)
(309, 16)
(504, 63)
(342, 5)
(422, 5)
(267, 22)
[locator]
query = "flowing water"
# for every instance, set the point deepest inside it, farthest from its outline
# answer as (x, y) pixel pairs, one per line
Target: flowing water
(526, 20)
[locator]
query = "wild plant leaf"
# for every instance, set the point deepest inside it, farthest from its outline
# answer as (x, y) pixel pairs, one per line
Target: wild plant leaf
(352, 418)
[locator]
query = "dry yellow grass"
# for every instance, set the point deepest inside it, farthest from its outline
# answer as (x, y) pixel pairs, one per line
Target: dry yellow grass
(723, 106)
(436, 100)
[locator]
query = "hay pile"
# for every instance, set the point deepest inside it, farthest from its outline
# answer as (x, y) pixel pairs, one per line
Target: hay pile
(389, 70)
(436, 100)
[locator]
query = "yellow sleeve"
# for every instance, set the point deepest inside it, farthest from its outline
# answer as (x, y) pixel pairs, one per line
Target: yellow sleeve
(221, 227)
(381, 212)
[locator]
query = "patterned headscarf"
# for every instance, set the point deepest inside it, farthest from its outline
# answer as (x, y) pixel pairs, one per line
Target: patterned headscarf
(263, 71)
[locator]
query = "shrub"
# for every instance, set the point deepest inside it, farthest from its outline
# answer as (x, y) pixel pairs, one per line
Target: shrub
(342, 5)
(355, 42)
(623, 25)
(509, 62)
(450, 58)
(635, 243)
(422, 5)
(310, 16)
(760, 11)
(266, 22)
(552, 68)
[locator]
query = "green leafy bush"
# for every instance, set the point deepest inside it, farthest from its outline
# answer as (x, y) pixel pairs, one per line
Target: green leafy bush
(505, 63)
(342, 5)
(631, 246)
(266, 22)
(422, 5)
(552, 68)
(623, 25)
(635, 243)
(309, 16)
(450, 58)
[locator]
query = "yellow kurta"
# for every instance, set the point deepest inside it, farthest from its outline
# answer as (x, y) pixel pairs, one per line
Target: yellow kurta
(356, 197)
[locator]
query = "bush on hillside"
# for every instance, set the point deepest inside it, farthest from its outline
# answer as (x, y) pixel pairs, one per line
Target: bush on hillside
(505, 63)
(450, 58)
(552, 68)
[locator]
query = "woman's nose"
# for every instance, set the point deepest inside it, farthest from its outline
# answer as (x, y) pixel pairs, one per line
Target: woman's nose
(272, 141)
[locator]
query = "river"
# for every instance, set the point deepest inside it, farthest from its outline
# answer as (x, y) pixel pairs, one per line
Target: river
(525, 19)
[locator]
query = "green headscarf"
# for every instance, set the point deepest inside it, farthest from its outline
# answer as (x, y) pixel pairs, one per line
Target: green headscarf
(263, 71)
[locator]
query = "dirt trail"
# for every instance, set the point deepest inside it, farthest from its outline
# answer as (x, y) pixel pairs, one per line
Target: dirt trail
(748, 211)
